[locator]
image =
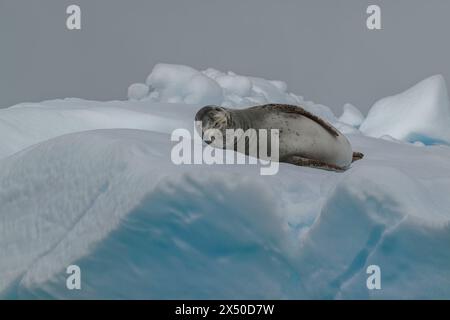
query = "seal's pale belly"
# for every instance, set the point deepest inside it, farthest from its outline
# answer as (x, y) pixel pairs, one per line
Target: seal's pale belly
(302, 136)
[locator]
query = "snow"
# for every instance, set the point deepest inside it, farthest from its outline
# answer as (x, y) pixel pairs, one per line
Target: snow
(138, 91)
(176, 83)
(27, 124)
(92, 184)
(351, 116)
(182, 84)
(421, 113)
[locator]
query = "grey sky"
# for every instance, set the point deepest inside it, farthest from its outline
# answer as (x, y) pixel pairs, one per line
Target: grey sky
(321, 48)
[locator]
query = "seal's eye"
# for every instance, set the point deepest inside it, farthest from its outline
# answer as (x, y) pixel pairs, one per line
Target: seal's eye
(208, 122)
(219, 119)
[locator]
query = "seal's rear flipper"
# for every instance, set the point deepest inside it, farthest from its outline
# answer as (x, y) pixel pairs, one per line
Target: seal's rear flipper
(304, 162)
(357, 156)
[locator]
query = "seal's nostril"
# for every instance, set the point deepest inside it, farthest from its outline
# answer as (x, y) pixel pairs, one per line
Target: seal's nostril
(210, 140)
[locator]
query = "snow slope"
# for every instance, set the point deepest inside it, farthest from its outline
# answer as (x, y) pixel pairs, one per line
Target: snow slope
(419, 114)
(140, 227)
(111, 201)
(351, 116)
(26, 124)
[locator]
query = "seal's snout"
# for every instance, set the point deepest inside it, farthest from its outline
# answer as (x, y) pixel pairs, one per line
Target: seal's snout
(210, 140)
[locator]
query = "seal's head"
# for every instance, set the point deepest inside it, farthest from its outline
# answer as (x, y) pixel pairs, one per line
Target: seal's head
(212, 121)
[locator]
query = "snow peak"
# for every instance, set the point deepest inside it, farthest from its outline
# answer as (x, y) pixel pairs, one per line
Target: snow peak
(192, 310)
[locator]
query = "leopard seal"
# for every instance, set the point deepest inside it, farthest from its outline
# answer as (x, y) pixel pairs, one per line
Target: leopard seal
(304, 138)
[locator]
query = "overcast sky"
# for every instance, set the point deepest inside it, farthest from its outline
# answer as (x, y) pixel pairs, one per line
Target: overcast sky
(321, 48)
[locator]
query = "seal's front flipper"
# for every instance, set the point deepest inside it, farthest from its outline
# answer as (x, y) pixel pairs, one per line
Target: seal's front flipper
(312, 163)
(357, 156)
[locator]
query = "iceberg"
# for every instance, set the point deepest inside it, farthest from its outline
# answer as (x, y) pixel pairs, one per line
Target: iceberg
(421, 113)
(182, 84)
(351, 116)
(92, 184)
